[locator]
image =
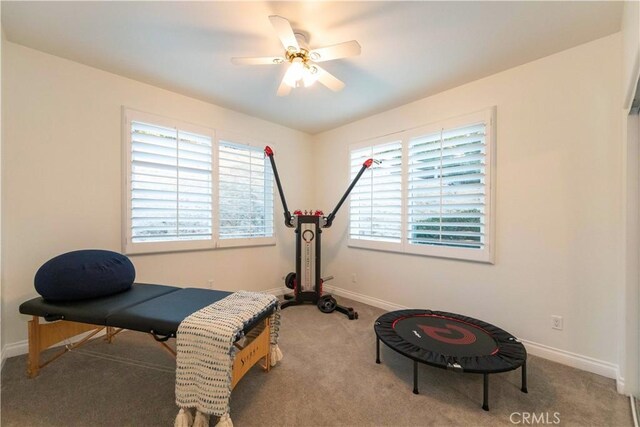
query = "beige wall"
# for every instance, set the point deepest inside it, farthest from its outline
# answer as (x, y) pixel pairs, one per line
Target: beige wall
(558, 202)
(62, 187)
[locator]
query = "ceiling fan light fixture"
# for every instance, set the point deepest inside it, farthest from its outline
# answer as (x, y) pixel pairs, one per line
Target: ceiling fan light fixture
(314, 55)
(295, 72)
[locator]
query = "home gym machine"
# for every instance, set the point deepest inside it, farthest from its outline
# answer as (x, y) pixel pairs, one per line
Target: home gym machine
(306, 282)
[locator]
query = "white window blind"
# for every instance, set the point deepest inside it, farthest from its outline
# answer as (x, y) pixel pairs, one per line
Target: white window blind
(245, 192)
(433, 193)
(446, 188)
(170, 182)
(376, 201)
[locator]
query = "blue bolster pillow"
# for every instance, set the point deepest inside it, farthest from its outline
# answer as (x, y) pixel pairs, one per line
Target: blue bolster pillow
(84, 274)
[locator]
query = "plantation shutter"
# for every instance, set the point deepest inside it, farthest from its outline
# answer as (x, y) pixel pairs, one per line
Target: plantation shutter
(245, 192)
(170, 184)
(376, 201)
(446, 188)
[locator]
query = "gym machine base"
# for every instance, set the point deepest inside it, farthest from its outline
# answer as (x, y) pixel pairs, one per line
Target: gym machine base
(306, 281)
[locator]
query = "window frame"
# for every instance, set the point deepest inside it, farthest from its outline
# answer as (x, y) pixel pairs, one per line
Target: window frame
(137, 248)
(235, 138)
(485, 255)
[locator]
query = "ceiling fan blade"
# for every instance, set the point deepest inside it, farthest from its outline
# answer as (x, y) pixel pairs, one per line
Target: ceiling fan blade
(284, 31)
(284, 88)
(336, 51)
(258, 60)
(329, 80)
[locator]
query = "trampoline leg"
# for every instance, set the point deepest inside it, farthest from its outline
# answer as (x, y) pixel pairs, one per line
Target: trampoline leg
(415, 377)
(485, 399)
(377, 350)
(524, 378)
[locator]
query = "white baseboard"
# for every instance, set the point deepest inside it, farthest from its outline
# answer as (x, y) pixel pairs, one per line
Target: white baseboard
(22, 347)
(585, 363)
(620, 386)
(2, 357)
(376, 302)
(564, 357)
(14, 349)
(276, 291)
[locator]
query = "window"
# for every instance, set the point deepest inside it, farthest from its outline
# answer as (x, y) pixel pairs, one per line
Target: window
(432, 193)
(179, 198)
(246, 192)
(376, 202)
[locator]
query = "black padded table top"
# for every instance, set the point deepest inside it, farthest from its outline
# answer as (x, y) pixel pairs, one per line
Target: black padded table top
(164, 314)
(96, 310)
(145, 308)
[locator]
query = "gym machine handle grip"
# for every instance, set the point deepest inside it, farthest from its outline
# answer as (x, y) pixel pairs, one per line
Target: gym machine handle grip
(288, 219)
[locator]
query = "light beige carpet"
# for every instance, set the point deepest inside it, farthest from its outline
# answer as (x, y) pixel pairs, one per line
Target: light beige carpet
(328, 378)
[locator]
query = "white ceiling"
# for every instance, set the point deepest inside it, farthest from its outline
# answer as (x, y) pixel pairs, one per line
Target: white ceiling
(409, 49)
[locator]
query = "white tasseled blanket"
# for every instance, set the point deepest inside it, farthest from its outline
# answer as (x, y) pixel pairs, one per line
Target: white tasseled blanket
(205, 354)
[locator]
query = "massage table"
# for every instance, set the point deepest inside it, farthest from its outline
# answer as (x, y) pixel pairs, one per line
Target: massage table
(154, 309)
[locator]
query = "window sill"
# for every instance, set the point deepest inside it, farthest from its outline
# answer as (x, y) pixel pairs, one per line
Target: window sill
(458, 254)
(245, 243)
(151, 248)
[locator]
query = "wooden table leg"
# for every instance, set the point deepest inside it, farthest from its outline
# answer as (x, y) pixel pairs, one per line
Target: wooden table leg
(33, 363)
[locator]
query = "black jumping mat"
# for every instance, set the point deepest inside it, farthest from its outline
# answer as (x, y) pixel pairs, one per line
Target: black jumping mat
(450, 341)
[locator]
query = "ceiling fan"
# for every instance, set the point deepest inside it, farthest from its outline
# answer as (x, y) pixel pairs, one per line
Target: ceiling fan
(303, 68)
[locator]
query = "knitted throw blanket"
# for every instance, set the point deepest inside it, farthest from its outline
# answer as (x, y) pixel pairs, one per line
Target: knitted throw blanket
(206, 351)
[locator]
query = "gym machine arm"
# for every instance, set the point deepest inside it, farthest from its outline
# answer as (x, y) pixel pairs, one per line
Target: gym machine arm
(328, 220)
(288, 219)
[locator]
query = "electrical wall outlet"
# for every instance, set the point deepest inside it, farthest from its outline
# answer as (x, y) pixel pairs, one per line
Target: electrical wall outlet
(210, 283)
(354, 278)
(556, 322)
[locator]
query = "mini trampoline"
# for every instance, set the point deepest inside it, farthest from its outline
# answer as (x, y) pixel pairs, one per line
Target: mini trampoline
(451, 341)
